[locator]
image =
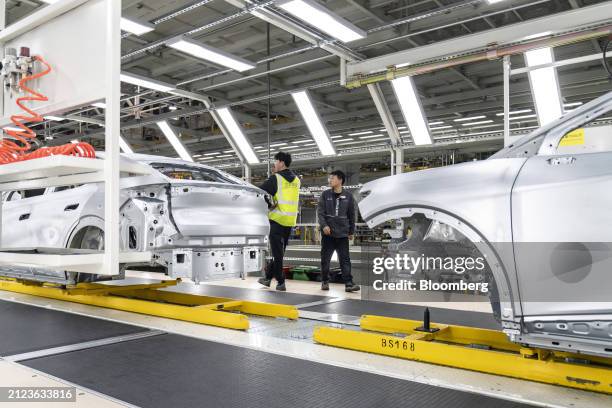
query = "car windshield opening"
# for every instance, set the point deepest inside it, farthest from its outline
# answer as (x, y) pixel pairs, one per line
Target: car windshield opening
(185, 172)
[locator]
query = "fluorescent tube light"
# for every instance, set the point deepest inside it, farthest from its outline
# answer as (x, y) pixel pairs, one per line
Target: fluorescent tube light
(136, 27)
(369, 132)
(314, 123)
(570, 104)
(412, 110)
(514, 112)
(55, 118)
(124, 146)
(145, 82)
(440, 127)
(470, 118)
(439, 122)
(544, 85)
(278, 144)
(371, 136)
(477, 123)
(211, 54)
(312, 13)
(532, 116)
(238, 137)
(100, 105)
(174, 140)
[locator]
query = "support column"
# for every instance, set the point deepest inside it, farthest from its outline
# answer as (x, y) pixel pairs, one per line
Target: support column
(246, 172)
(398, 163)
(507, 66)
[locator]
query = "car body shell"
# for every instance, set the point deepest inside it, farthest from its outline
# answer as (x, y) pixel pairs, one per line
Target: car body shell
(199, 229)
(539, 211)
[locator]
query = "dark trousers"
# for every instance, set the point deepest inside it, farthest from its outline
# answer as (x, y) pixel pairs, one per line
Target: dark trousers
(341, 247)
(279, 238)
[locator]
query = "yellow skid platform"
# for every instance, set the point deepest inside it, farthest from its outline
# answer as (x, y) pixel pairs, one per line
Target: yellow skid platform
(150, 300)
(470, 348)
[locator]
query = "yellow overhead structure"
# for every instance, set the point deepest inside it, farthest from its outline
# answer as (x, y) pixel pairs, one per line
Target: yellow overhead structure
(149, 299)
(483, 350)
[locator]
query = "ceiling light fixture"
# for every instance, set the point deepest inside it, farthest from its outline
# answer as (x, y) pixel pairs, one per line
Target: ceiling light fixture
(481, 122)
(211, 54)
(412, 110)
(136, 27)
(314, 123)
(470, 118)
(145, 82)
(544, 85)
(323, 19)
(369, 132)
(514, 112)
(570, 104)
(239, 139)
(174, 140)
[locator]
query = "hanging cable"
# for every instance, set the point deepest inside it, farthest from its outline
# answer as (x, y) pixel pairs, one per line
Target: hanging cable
(17, 149)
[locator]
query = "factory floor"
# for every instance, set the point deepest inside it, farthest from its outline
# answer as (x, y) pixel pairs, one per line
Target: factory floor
(270, 342)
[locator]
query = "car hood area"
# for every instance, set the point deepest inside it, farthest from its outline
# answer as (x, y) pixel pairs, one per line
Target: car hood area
(475, 192)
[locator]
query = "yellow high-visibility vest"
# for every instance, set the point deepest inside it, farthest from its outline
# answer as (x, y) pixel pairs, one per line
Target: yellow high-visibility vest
(286, 199)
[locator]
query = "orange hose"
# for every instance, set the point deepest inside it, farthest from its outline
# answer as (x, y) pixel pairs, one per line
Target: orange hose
(11, 151)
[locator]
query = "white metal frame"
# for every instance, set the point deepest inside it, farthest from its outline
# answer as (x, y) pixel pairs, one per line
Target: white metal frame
(70, 170)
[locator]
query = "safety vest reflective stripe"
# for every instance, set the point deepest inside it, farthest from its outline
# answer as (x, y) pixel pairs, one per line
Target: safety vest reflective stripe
(283, 212)
(286, 200)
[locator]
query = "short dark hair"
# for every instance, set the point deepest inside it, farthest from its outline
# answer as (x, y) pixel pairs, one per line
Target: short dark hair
(340, 174)
(284, 157)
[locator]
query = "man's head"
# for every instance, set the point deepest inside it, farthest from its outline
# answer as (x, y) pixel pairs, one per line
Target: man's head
(282, 161)
(336, 179)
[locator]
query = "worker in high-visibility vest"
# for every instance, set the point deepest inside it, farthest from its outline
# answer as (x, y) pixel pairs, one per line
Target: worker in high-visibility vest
(284, 187)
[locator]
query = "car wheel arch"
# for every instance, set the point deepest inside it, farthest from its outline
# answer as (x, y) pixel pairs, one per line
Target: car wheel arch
(501, 277)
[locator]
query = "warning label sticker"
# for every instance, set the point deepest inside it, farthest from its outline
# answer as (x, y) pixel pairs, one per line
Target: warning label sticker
(573, 138)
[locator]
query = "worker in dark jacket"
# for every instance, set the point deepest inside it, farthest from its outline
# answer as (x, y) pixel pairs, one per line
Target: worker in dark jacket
(336, 212)
(284, 188)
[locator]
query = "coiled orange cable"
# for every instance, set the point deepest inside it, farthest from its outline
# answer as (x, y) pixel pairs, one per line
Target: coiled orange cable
(11, 152)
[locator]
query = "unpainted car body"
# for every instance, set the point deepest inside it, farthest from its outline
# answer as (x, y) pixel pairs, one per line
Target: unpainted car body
(540, 211)
(198, 222)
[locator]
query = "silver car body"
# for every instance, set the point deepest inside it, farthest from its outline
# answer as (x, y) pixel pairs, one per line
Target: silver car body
(207, 229)
(532, 204)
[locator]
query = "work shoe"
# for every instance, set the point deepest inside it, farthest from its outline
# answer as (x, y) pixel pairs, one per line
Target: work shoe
(324, 285)
(264, 281)
(281, 287)
(351, 287)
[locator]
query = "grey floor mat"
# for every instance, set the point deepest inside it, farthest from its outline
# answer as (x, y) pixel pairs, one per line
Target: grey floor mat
(258, 295)
(26, 328)
(438, 315)
(176, 371)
